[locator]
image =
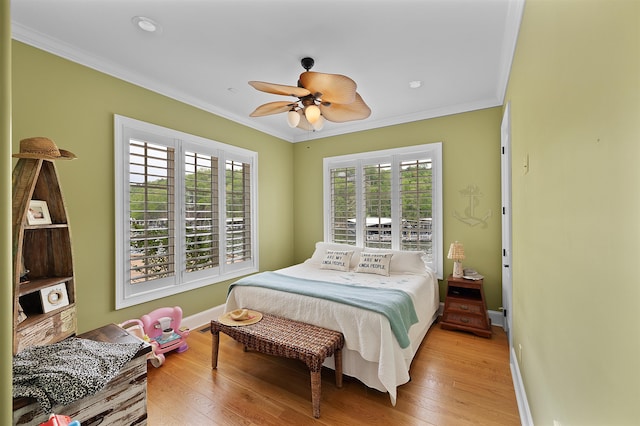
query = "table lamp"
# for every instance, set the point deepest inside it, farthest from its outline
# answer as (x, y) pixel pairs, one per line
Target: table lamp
(456, 252)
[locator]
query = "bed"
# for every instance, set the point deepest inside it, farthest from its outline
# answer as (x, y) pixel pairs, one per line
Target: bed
(380, 341)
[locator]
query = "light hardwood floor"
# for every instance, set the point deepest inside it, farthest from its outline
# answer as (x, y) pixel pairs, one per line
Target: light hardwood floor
(456, 379)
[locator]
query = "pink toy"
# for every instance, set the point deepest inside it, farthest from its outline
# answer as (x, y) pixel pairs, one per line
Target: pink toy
(135, 327)
(58, 420)
(161, 329)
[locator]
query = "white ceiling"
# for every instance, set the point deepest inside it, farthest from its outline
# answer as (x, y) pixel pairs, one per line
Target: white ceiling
(207, 50)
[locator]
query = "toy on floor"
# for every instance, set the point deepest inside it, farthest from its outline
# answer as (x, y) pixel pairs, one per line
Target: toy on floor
(60, 420)
(161, 328)
(136, 328)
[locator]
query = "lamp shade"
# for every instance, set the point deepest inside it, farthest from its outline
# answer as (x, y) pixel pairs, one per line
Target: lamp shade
(293, 118)
(312, 112)
(319, 124)
(456, 251)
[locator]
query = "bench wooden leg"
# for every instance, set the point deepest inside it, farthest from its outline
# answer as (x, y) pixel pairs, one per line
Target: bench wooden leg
(316, 392)
(337, 359)
(215, 342)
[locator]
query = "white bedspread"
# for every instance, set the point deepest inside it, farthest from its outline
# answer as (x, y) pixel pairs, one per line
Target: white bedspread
(372, 353)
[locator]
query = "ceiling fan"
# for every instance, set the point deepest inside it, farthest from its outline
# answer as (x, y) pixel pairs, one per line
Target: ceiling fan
(321, 96)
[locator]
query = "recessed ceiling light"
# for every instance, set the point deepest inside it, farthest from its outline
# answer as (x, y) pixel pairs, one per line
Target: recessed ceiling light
(145, 24)
(415, 84)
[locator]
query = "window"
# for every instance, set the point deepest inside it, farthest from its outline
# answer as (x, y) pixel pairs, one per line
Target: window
(387, 199)
(185, 212)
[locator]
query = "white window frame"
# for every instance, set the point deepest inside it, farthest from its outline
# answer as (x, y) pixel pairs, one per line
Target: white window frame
(393, 156)
(128, 294)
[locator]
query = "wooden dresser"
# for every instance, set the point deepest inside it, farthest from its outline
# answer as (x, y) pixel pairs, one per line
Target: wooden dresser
(465, 307)
(122, 402)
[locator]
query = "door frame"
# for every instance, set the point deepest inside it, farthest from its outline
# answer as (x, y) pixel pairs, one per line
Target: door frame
(507, 260)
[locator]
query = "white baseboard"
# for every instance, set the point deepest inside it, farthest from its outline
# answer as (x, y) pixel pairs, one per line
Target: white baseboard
(497, 318)
(521, 395)
(203, 318)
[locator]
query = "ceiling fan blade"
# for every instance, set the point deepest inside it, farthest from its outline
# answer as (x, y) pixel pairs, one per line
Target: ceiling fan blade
(339, 113)
(272, 108)
(280, 89)
(333, 88)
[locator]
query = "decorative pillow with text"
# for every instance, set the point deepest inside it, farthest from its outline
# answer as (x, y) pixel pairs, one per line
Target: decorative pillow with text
(405, 261)
(374, 263)
(336, 259)
(321, 251)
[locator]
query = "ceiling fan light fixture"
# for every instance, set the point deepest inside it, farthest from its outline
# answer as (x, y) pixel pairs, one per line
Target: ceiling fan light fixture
(319, 124)
(312, 112)
(293, 118)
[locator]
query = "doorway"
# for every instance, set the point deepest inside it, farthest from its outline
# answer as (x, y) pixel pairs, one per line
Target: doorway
(507, 266)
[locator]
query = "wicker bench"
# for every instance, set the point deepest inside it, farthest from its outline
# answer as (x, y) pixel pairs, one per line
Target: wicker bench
(279, 336)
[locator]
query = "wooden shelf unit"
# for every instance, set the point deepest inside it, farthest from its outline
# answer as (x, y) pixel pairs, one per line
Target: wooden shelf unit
(43, 250)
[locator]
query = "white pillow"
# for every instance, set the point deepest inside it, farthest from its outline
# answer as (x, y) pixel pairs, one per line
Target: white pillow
(338, 260)
(405, 261)
(321, 250)
(374, 263)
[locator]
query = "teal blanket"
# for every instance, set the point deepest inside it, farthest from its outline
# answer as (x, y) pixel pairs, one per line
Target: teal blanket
(394, 304)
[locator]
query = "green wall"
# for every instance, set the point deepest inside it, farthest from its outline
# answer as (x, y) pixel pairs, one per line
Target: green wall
(74, 106)
(6, 270)
(471, 157)
(575, 101)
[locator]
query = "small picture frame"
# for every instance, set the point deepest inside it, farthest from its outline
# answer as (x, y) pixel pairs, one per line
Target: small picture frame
(54, 297)
(38, 213)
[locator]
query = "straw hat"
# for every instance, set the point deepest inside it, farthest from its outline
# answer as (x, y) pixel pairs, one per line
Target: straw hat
(43, 148)
(240, 317)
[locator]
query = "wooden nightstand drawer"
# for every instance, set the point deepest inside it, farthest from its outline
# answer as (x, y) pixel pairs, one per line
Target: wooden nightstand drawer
(466, 306)
(465, 319)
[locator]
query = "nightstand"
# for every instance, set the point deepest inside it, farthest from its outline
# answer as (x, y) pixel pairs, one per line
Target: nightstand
(465, 307)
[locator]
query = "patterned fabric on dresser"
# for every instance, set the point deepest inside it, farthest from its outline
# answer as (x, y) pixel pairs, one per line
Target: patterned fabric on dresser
(67, 371)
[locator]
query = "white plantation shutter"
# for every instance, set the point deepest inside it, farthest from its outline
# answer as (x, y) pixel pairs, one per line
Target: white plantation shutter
(416, 193)
(387, 199)
(151, 203)
(185, 212)
(343, 204)
(238, 230)
(377, 205)
(201, 212)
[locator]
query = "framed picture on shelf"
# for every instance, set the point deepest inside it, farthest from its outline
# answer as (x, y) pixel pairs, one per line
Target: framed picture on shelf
(38, 213)
(54, 297)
